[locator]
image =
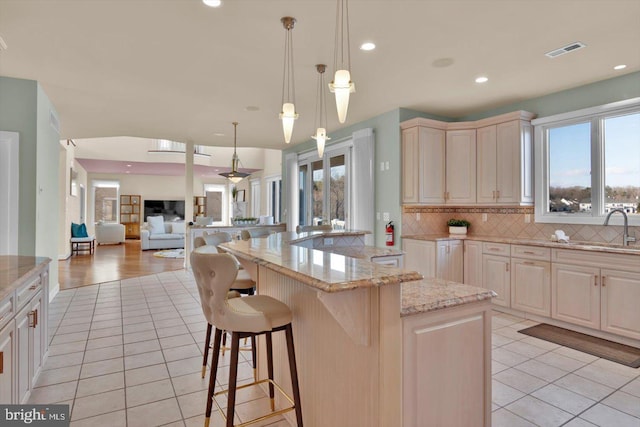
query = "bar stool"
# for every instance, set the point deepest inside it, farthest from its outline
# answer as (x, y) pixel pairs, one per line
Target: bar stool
(243, 317)
(255, 232)
(244, 284)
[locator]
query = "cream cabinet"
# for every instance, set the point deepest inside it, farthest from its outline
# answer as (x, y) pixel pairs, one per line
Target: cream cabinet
(473, 263)
(420, 256)
(505, 162)
(575, 294)
(423, 165)
(531, 286)
(29, 335)
(619, 297)
(489, 161)
(7, 363)
(450, 260)
(460, 188)
(496, 275)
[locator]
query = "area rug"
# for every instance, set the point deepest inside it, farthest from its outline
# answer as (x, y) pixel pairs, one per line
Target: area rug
(619, 353)
(170, 253)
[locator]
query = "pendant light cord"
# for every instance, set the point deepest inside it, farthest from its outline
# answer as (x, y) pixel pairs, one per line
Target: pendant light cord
(342, 27)
(288, 78)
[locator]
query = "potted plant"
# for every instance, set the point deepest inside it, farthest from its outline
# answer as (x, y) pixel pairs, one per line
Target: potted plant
(458, 226)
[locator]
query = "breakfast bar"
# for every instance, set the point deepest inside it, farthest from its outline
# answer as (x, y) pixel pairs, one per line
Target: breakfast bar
(376, 345)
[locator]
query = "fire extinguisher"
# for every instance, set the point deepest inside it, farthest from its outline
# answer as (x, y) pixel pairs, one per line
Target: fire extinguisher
(390, 235)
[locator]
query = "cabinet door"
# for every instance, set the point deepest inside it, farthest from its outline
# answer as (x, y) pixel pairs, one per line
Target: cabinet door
(37, 331)
(486, 150)
(442, 260)
(496, 276)
(410, 173)
(420, 256)
(531, 286)
(620, 294)
(461, 166)
(456, 261)
(575, 294)
(7, 368)
(23, 354)
(472, 263)
(508, 162)
(431, 165)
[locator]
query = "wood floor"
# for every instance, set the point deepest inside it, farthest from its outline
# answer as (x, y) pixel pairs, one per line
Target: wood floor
(112, 262)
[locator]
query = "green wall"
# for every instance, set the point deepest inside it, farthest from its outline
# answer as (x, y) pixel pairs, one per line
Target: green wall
(26, 109)
(387, 135)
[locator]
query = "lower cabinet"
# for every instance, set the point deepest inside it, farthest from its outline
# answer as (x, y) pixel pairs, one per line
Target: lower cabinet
(7, 363)
(450, 260)
(531, 286)
(496, 276)
(473, 263)
(30, 346)
(420, 256)
(575, 294)
(619, 297)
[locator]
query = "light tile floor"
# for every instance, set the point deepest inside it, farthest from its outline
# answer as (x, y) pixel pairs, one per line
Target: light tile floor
(129, 353)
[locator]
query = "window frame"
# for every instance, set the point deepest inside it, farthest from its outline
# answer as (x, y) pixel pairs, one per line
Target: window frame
(595, 116)
(101, 183)
(307, 158)
(274, 209)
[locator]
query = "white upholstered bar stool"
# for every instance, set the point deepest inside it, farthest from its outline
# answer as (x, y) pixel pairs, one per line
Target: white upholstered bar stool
(244, 284)
(243, 317)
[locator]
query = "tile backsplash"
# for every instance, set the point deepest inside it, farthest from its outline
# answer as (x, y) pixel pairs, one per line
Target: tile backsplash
(503, 222)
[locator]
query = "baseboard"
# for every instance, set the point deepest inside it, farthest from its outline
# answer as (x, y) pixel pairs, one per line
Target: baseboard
(64, 256)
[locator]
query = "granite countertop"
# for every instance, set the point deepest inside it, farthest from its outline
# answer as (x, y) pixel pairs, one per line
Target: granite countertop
(434, 294)
(293, 237)
(237, 226)
(577, 245)
(14, 268)
(326, 271)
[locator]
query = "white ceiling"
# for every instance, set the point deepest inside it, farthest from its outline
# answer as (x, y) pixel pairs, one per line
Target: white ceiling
(179, 70)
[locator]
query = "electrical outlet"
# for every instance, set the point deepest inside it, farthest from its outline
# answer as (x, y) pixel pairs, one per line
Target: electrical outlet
(386, 165)
(527, 218)
(385, 216)
(378, 216)
(484, 217)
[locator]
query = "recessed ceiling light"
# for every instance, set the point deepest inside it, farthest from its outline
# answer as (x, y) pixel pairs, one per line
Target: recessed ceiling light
(482, 79)
(367, 46)
(218, 134)
(620, 67)
(251, 108)
(128, 166)
(212, 3)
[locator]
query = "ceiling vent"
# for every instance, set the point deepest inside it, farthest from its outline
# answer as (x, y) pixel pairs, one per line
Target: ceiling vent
(565, 49)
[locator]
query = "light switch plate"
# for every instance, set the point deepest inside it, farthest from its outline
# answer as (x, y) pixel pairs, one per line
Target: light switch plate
(385, 216)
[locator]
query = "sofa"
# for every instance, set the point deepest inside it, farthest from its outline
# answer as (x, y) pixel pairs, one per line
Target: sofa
(159, 234)
(109, 233)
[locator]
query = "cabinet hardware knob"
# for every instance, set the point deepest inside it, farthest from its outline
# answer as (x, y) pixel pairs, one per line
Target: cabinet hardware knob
(529, 253)
(497, 194)
(595, 280)
(603, 284)
(507, 266)
(1, 362)
(33, 287)
(528, 263)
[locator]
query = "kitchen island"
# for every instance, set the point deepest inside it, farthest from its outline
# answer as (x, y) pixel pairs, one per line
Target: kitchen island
(375, 345)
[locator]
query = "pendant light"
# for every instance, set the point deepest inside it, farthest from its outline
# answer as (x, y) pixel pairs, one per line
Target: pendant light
(321, 112)
(235, 176)
(288, 113)
(342, 85)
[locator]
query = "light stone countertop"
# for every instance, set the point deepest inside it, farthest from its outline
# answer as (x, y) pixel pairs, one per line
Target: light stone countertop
(577, 245)
(14, 268)
(326, 271)
(432, 294)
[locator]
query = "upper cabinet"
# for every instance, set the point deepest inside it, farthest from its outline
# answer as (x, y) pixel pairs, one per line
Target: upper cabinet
(486, 162)
(423, 165)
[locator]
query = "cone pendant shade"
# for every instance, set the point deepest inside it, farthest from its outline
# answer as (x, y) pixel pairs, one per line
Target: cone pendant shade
(288, 114)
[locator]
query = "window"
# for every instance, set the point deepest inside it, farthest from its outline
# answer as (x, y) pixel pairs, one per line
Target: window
(105, 197)
(255, 198)
(323, 188)
(588, 163)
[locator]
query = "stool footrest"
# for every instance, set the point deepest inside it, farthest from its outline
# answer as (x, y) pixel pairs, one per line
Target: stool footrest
(264, 417)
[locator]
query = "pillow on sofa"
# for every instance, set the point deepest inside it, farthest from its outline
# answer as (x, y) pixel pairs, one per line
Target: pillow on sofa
(156, 224)
(79, 230)
(178, 227)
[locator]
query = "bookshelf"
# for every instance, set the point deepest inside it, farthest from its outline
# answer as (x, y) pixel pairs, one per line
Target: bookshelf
(130, 215)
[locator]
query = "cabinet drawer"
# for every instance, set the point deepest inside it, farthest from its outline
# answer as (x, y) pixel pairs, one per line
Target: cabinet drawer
(25, 292)
(7, 309)
(496, 248)
(595, 258)
(531, 252)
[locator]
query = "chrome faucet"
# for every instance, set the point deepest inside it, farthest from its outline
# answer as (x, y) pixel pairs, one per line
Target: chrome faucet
(626, 239)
